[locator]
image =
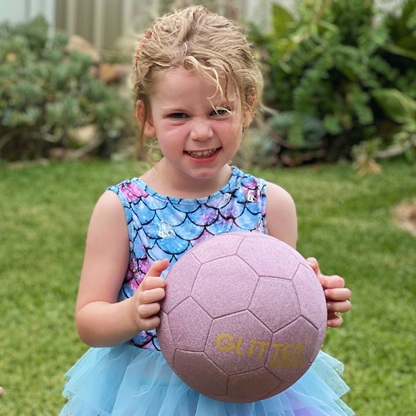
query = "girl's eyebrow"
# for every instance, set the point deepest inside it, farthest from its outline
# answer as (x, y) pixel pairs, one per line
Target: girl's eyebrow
(173, 109)
(223, 105)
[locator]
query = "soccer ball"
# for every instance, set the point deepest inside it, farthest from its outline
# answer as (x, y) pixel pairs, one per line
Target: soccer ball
(243, 318)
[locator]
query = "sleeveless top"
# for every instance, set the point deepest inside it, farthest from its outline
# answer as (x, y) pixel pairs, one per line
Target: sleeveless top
(162, 227)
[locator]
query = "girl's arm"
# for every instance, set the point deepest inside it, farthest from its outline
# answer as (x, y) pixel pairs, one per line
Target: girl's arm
(282, 224)
(101, 320)
(281, 215)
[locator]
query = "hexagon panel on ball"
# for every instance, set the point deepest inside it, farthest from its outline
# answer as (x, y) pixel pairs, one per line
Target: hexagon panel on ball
(212, 291)
(275, 302)
(190, 325)
(211, 250)
(250, 386)
(292, 350)
(183, 275)
(164, 337)
(264, 259)
(198, 371)
(311, 296)
(238, 343)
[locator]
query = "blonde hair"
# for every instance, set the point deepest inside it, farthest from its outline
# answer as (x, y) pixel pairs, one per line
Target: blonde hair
(197, 39)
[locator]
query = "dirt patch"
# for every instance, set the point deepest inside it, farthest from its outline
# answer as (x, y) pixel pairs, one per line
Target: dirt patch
(405, 215)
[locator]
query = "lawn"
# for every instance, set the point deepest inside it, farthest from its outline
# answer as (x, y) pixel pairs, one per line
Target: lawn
(344, 221)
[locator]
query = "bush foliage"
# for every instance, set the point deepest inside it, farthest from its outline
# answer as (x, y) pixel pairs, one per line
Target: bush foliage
(47, 92)
(335, 64)
(340, 81)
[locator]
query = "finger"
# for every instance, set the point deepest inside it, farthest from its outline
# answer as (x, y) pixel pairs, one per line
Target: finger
(151, 295)
(334, 321)
(158, 267)
(314, 264)
(148, 324)
(342, 307)
(148, 310)
(338, 294)
(330, 282)
(152, 282)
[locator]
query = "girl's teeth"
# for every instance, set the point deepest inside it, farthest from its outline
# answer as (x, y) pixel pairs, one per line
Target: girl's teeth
(206, 153)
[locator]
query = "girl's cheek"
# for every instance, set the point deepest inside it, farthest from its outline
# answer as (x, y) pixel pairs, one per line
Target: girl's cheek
(229, 128)
(173, 128)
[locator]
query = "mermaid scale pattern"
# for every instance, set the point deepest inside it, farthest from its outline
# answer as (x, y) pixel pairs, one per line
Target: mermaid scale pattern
(163, 227)
(134, 379)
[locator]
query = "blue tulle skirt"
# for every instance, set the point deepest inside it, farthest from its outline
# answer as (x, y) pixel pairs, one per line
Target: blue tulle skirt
(106, 381)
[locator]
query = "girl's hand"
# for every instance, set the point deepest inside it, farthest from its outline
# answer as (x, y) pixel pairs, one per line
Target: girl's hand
(337, 296)
(148, 295)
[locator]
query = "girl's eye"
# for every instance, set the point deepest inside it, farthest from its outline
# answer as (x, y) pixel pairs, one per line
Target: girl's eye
(221, 111)
(178, 115)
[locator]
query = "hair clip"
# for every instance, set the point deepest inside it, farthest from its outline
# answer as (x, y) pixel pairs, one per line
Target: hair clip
(251, 99)
(149, 34)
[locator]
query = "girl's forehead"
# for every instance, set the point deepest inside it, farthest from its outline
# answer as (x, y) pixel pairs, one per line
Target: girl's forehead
(180, 80)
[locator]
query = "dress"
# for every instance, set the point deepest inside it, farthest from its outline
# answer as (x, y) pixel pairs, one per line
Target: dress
(134, 379)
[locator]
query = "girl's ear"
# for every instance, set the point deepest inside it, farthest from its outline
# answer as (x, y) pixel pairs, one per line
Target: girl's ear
(249, 112)
(247, 119)
(146, 123)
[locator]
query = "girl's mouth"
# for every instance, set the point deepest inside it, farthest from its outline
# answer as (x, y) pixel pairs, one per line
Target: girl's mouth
(202, 154)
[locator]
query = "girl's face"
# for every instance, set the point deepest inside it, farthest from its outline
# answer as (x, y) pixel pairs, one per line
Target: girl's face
(196, 141)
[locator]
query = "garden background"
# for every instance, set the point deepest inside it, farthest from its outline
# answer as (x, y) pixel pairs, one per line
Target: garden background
(338, 132)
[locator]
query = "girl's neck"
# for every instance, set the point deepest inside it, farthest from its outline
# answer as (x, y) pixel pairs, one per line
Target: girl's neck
(177, 184)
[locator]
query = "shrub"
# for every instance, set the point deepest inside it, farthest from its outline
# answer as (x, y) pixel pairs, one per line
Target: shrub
(334, 63)
(47, 93)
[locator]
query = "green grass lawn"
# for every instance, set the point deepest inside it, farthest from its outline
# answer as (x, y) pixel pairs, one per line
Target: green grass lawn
(344, 221)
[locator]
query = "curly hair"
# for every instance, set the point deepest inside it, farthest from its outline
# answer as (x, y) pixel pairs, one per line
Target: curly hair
(198, 40)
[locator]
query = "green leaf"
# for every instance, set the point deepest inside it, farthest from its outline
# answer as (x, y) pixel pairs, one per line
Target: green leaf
(332, 124)
(408, 42)
(410, 155)
(281, 20)
(295, 135)
(398, 50)
(409, 14)
(396, 105)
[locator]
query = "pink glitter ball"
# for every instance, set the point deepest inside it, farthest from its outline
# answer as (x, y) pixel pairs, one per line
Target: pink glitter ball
(243, 318)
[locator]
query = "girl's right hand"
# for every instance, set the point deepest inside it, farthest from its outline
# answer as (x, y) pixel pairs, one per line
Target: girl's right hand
(148, 295)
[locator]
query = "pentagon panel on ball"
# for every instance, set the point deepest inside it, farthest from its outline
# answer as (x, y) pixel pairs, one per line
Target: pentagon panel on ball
(243, 318)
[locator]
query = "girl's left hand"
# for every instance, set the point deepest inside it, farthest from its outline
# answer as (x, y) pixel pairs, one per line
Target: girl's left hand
(337, 296)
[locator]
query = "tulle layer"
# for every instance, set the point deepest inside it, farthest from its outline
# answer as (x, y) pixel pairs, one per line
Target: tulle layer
(105, 382)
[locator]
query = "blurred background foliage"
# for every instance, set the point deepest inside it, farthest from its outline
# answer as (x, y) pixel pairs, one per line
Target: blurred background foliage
(51, 101)
(340, 83)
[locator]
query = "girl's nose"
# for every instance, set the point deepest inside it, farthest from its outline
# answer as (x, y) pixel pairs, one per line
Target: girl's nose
(201, 130)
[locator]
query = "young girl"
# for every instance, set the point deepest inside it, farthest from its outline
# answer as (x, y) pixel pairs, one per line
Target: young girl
(197, 89)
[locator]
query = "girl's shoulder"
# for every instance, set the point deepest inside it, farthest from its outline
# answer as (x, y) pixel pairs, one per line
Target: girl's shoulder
(281, 214)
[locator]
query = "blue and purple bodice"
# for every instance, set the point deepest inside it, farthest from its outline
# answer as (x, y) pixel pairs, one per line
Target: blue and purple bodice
(162, 227)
